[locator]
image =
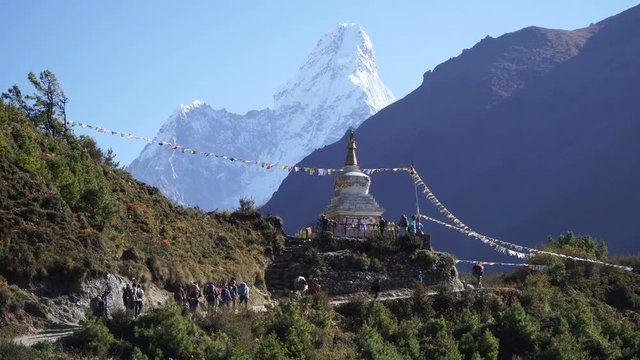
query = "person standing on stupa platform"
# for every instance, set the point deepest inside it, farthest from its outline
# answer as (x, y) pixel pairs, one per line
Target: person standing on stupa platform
(383, 225)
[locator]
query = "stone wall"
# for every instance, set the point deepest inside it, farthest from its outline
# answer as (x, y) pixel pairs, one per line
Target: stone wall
(351, 265)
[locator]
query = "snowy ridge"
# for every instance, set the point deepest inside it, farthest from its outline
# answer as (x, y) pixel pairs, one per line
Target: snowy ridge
(336, 88)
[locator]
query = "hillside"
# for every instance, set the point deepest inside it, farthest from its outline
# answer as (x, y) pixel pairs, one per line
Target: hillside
(567, 311)
(69, 215)
(523, 136)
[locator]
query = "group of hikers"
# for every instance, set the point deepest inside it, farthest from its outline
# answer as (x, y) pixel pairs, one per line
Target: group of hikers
(215, 295)
(301, 286)
(406, 226)
(403, 227)
(132, 298)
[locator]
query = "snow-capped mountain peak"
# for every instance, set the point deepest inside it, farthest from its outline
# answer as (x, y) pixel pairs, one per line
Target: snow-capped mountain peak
(194, 105)
(336, 88)
(342, 58)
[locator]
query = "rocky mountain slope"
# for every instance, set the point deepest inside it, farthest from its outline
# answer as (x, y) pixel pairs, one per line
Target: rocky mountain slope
(335, 89)
(523, 136)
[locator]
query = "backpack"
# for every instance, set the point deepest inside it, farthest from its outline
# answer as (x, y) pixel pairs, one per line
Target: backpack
(139, 294)
(243, 289)
(226, 294)
(210, 292)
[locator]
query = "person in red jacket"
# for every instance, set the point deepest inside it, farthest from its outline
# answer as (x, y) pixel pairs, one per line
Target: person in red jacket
(478, 271)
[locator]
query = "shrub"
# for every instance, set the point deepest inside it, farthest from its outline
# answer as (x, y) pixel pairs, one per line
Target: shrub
(292, 329)
(13, 351)
(93, 339)
(166, 333)
(371, 345)
(270, 348)
(517, 330)
(247, 205)
(424, 258)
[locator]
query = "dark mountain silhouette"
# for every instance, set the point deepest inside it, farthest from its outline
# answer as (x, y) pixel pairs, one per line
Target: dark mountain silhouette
(523, 136)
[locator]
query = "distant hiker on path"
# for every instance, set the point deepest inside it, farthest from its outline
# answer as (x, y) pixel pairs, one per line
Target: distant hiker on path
(419, 277)
(105, 303)
(194, 295)
(138, 297)
(211, 295)
(243, 293)
(127, 297)
(315, 286)
(233, 289)
(375, 288)
(180, 296)
(478, 271)
(300, 285)
(225, 296)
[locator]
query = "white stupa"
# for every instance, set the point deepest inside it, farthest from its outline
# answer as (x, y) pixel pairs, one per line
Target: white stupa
(352, 203)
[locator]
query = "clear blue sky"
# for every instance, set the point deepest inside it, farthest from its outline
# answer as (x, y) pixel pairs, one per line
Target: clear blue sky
(128, 64)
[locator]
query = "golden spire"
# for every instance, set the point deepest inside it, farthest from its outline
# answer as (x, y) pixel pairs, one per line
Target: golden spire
(351, 151)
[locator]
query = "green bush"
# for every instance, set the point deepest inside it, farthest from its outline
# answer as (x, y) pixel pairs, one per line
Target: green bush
(93, 339)
(166, 333)
(270, 348)
(13, 351)
(371, 345)
(296, 333)
(424, 258)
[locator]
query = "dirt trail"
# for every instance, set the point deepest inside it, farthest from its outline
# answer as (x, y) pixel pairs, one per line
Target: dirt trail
(54, 334)
(51, 335)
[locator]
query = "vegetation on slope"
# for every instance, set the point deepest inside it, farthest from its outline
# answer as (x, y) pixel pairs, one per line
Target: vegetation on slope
(568, 311)
(68, 212)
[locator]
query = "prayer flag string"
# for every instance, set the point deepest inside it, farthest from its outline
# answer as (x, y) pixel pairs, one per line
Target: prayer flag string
(498, 245)
(264, 164)
(491, 263)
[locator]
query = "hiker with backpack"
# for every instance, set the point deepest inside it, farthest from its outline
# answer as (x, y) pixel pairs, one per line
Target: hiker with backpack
(194, 295)
(225, 296)
(105, 303)
(478, 271)
(315, 286)
(138, 297)
(300, 285)
(180, 296)
(243, 293)
(233, 289)
(127, 297)
(211, 295)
